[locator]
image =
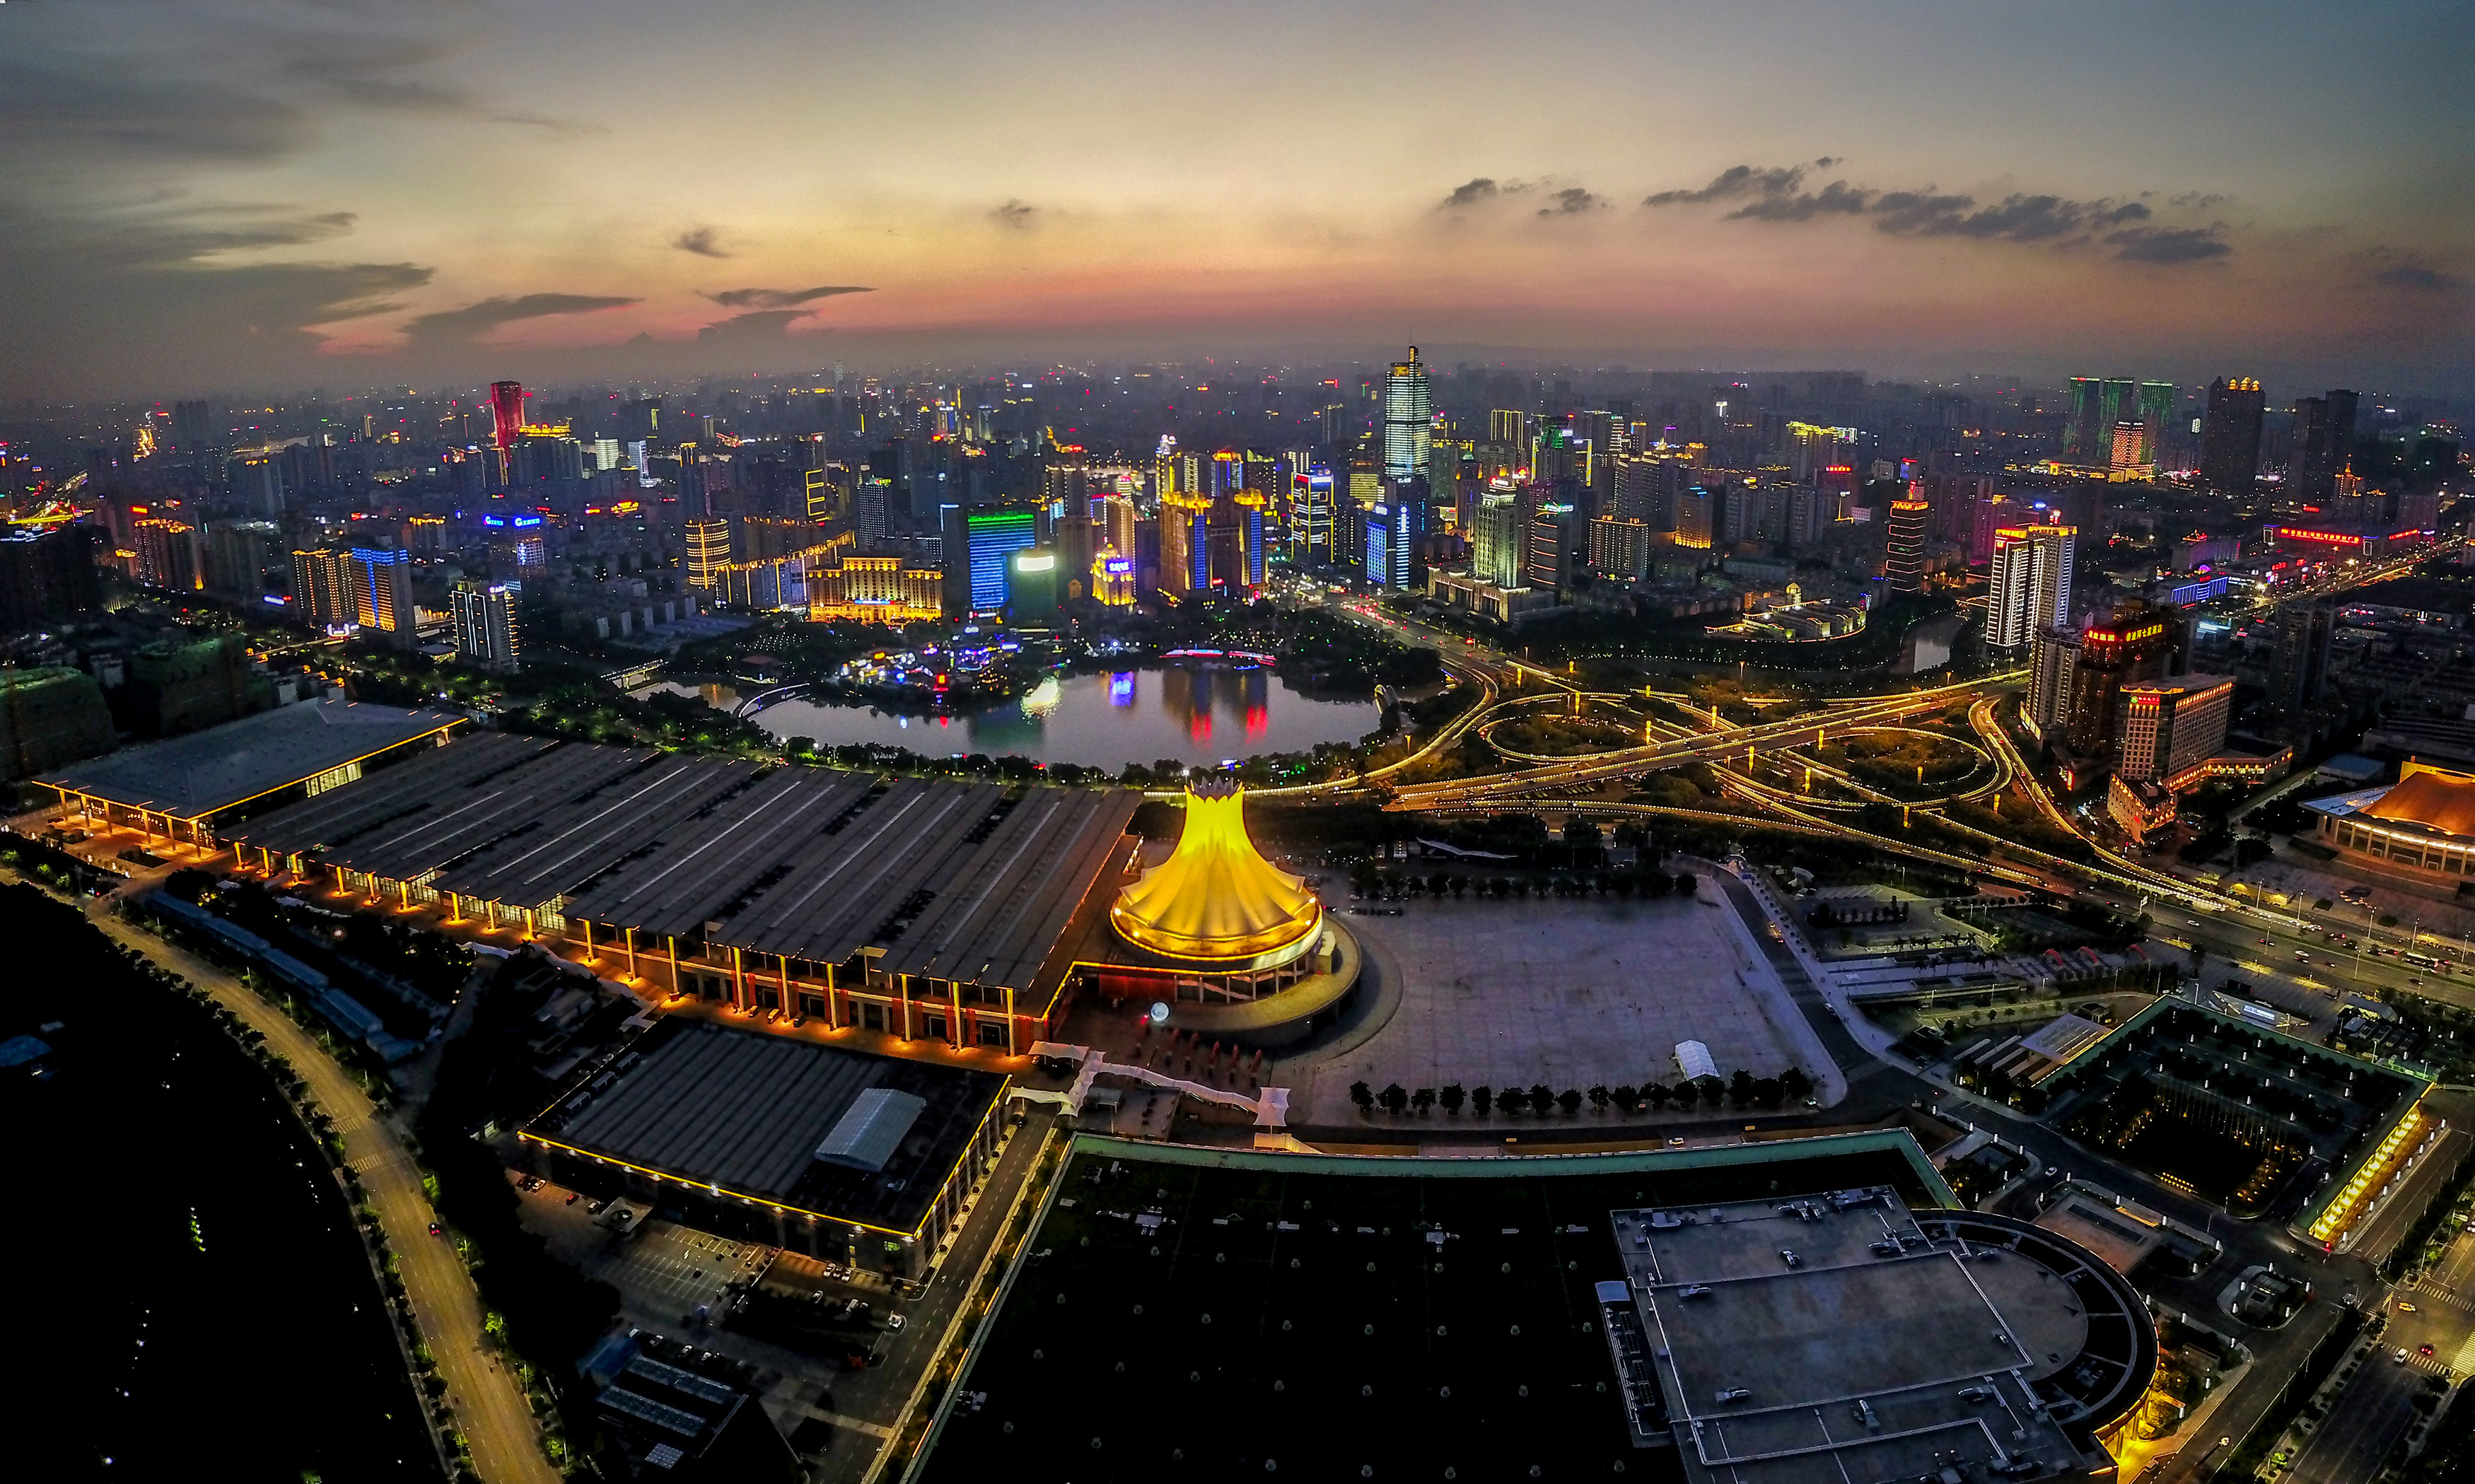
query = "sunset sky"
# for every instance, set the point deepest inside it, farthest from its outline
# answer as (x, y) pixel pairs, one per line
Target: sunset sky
(245, 194)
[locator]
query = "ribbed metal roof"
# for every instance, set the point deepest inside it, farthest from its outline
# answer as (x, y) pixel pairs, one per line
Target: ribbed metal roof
(867, 1134)
(966, 881)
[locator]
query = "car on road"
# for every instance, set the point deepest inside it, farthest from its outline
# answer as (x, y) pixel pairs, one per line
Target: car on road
(2423, 1349)
(435, 1230)
(2400, 1357)
(2404, 1307)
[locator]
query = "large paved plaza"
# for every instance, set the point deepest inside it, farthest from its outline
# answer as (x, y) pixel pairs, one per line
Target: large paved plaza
(1567, 994)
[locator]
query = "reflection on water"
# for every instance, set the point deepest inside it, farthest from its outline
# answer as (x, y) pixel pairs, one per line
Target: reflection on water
(1192, 714)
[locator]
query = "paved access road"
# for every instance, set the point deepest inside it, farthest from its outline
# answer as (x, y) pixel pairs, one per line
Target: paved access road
(490, 1406)
(2378, 1406)
(1874, 1087)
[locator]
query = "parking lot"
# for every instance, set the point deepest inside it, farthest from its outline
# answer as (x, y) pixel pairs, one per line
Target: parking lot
(833, 1414)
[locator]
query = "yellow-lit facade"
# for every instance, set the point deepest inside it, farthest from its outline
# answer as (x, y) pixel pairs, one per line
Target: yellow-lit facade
(709, 542)
(874, 590)
(2369, 1178)
(1216, 901)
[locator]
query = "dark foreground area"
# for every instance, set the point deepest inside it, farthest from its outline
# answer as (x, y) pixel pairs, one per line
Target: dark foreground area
(190, 1297)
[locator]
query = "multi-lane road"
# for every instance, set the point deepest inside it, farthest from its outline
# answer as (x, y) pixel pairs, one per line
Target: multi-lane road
(2372, 1412)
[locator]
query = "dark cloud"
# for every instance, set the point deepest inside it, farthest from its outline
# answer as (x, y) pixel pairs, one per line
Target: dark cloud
(1560, 199)
(702, 241)
(448, 325)
(2414, 276)
(1017, 214)
(2012, 219)
(1732, 184)
(1915, 212)
(63, 110)
(1779, 194)
(2168, 244)
(778, 298)
(1836, 199)
(760, 325)
(89, 300)
(119, 262)
(1571, 201)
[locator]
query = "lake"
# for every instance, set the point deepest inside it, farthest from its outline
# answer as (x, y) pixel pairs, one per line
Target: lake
(1195, 714)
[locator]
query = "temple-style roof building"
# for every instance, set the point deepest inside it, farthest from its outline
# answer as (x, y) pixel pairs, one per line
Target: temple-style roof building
(1215, 902)
(2422, 826)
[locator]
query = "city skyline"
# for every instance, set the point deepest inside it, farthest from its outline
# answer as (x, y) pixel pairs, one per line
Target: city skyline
(264, 194)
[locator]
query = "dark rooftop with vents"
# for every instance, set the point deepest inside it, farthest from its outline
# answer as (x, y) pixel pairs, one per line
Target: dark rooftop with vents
(840, 1133)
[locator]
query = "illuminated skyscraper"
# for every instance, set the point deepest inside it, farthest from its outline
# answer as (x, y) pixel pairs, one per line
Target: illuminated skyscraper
(2170, 728)
(708, 548)
(1903, 562)
(382, 593)
(1811, 449)
(2230, 436)
(1408, 419)
(2136, 644)
(2032, 584)
(1620, 549)
(2098, 404)
(2125, 456)
(321, 587)
(1499, 542)
(992, 538)
(2156, 410)
(1031, 585)
(506, 421)
(486, 623)
(1310, 516)
(1116, 516)
(1558, 547)
(2324, 440)
(1394, 526)
(1695, 517)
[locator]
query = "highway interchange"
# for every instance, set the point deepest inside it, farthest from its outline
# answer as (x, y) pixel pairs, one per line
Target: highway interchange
(2238, 935)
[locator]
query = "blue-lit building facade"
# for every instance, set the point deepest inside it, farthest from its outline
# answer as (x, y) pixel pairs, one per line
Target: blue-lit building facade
(1394, 527)
(979, 557)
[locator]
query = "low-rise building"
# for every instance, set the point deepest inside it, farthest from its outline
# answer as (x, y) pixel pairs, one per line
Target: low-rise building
(2141, 809)
(49, 716)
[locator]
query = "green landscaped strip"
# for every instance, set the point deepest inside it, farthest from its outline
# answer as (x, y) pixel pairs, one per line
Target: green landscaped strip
(1495, 1166)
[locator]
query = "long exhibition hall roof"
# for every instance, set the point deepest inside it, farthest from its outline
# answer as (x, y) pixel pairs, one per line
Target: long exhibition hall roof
(1216, 899)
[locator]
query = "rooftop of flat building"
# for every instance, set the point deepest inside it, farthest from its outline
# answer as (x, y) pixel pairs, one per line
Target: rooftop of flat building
(840, 1133)
(1840, 1335)
(209, 771)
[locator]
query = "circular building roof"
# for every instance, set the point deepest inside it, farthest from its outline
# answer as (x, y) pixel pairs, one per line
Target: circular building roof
(1215, 900)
